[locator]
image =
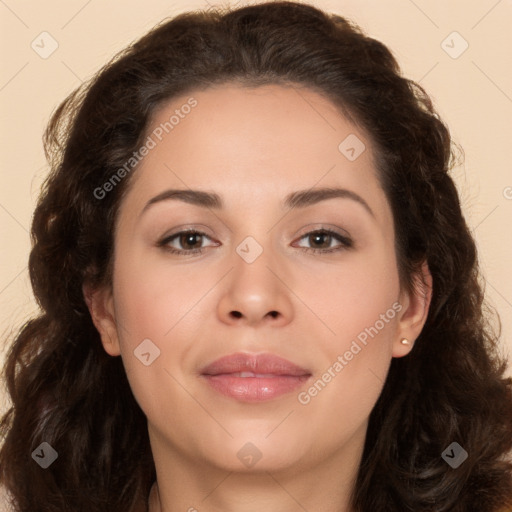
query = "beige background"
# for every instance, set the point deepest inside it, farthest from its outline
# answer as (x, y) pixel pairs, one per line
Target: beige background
(472, 92)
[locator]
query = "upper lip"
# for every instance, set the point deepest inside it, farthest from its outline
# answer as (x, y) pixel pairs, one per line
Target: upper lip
(256, 363)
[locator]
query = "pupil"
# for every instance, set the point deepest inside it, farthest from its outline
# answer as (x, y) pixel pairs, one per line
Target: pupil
(190, 237)
(319, 235)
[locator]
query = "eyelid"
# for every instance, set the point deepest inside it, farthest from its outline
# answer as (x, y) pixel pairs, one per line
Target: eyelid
(313, 228)
(175, 234)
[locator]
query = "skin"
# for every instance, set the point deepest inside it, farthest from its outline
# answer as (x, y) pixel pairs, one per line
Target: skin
(253, 146)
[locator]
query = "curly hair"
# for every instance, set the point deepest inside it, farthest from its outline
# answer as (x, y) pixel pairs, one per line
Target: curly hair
(67, 391)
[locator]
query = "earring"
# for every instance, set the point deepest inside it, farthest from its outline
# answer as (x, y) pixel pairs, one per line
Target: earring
(405, 341)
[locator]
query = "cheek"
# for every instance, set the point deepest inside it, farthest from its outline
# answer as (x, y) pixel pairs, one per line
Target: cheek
(146, 308)
(152, 297)
(362, 314)
(359, 304)
(352, 295)
(161, 303)
(356, 361)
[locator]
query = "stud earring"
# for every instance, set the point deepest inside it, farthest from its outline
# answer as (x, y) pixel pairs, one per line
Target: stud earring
(405, 341)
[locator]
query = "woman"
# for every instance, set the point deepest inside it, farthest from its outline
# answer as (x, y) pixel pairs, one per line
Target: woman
(258, 290)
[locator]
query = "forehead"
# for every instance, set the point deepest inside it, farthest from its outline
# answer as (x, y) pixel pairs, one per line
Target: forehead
(254, 144)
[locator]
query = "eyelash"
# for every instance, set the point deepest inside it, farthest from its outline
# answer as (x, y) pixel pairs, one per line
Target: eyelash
(346, 243)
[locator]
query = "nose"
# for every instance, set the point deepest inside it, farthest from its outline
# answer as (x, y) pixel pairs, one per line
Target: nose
(257, 293)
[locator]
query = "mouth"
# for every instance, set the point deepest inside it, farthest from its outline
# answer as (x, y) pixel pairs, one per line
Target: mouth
(254, 378)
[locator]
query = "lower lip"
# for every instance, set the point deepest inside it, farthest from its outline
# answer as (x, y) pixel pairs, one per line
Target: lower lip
(254, 389)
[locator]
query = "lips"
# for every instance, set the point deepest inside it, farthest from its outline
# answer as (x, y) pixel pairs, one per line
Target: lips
(260, 364)
(254, 378)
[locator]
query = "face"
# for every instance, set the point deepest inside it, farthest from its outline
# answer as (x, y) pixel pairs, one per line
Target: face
(269, 267)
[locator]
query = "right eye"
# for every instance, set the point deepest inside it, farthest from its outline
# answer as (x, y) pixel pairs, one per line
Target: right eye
(184, 238)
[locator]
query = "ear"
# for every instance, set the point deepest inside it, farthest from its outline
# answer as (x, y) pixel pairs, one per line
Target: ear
(414, 312)
(100, 302)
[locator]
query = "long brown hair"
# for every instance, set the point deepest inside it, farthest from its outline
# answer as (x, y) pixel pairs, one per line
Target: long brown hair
(67, 391)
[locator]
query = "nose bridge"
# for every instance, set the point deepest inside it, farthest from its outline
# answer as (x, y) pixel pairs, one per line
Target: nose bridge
(258, 244)
(255, 231)
(254, 259)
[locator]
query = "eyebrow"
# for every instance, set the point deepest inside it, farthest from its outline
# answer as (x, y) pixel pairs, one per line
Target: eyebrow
(298, 199)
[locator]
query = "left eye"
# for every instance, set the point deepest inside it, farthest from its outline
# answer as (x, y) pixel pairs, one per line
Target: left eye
(319, 236)
(188, 239)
